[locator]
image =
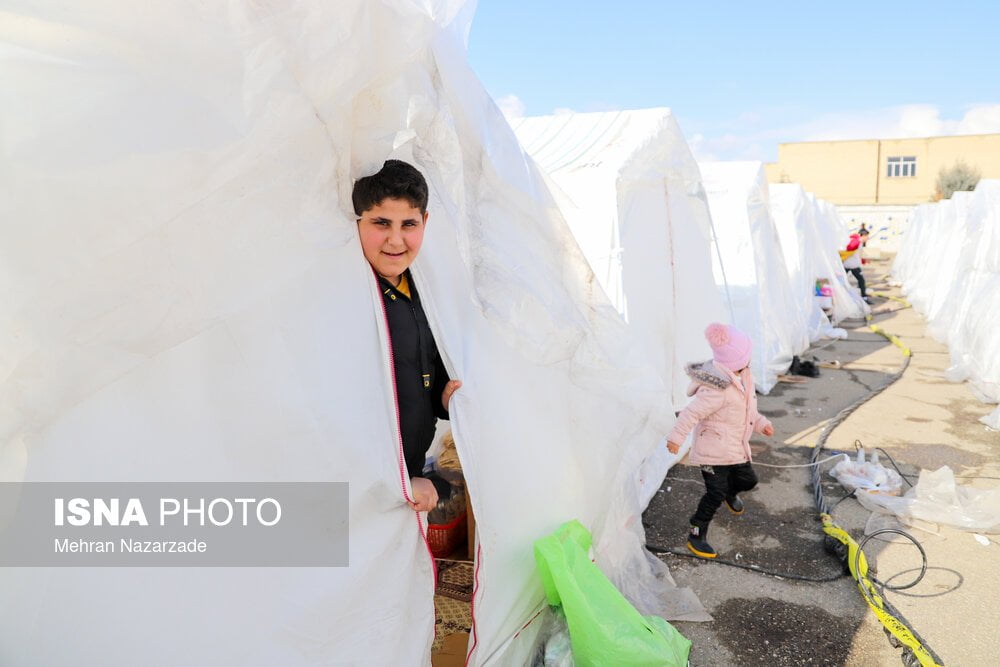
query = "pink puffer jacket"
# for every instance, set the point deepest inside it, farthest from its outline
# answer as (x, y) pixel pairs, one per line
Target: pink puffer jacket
(723, 415)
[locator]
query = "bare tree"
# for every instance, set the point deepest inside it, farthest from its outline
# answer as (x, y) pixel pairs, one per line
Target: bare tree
(960, 177)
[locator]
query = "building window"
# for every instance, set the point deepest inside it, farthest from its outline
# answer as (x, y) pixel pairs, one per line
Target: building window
(901, 167)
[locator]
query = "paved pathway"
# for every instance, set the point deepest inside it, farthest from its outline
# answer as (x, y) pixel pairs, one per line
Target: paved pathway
(923, 421)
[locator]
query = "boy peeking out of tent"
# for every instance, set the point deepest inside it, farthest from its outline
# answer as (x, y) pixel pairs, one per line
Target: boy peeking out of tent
(391, 206)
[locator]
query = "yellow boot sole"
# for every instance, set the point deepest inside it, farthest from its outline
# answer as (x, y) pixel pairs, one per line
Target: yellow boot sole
(730, 507)
(700, 554)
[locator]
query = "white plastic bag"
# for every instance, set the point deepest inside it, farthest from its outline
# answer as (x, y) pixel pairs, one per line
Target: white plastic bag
(553, 647)
(937, 498)
(870, 476)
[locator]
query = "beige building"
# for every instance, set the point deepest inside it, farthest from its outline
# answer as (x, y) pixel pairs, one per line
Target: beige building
(881, 171)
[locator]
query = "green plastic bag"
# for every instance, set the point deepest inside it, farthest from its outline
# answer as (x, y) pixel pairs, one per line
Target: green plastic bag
(604, 628)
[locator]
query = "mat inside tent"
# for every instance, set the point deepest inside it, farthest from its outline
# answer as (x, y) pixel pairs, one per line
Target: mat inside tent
(452, 597)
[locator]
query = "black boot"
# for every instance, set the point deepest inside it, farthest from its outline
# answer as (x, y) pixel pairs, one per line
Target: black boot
(735, 505)
(698, 541)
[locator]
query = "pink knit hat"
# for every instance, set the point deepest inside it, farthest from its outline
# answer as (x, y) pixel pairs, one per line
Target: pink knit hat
(730, 346)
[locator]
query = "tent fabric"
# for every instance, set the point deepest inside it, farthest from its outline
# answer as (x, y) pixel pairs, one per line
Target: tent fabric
(811, 238)
(834, 235)
(942, 241)
(904, 267)
(949, 266)
(750, 263)
(185, 299)
(629, 188)
(793, 221)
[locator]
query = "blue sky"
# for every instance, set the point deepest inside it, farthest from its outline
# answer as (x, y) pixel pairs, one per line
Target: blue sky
(743, 76)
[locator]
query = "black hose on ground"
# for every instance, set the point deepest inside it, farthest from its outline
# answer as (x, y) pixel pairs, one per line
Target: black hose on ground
(822, 506)
(745, 566)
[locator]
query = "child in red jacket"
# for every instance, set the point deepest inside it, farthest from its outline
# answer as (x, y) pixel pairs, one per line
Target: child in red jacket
(723, 416)
(852, 260)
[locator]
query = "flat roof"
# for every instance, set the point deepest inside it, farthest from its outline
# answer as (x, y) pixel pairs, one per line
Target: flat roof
(845, 141)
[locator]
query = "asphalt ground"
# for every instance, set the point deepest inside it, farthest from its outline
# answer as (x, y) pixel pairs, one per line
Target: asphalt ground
(922, 421)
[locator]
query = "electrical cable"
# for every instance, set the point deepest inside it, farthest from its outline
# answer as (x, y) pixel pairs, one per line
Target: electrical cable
(744, 566)
(895, 625)
(902, 474)
(816, 476)
(858, 445)
(883, 295)
(798, 465)
(923, 556)
(842, 499)
(892, 620)
(905, 476)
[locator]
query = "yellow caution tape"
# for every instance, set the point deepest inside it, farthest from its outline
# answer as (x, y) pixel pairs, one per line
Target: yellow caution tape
(891, 337)
(867, 588)
(890, 296)
(855, 556)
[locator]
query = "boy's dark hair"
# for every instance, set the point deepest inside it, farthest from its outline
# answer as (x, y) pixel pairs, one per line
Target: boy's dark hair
(395, 180)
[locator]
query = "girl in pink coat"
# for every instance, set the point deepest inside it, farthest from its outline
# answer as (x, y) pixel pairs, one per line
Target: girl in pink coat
(723, 416)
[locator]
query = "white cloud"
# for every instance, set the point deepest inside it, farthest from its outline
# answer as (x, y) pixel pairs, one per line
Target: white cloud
(903, 122)
(750, 118)
(511, 106)
(727, 147)
(593, 107)
(981, 119)
(696, 143)
(752, 139)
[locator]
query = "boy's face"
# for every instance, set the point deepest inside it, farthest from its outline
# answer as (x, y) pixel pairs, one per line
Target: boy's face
(391, 234)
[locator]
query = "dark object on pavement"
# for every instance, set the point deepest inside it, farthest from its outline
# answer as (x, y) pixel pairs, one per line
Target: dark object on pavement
(806, 368)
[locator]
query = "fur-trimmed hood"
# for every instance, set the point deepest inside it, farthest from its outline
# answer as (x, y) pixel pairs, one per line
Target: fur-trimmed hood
(707, 373)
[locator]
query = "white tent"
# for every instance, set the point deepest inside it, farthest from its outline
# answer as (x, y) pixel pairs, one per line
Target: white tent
(949, 265)
(811, 236)
(835, 235)
(792, 216)
(751, 262)
(184, 298)
(905, 267)
(629, 188)
(943, 233)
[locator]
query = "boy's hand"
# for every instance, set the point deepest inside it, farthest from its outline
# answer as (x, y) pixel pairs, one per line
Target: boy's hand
(449, 389)
(768, 430)
(425, 496)
(673, 447)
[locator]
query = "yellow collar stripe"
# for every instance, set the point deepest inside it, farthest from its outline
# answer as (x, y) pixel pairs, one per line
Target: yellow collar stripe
(404, 286)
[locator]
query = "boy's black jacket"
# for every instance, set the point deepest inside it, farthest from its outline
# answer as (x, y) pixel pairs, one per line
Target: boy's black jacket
(420, 373)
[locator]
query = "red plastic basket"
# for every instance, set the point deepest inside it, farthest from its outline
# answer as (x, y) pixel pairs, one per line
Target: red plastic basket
(445, 537)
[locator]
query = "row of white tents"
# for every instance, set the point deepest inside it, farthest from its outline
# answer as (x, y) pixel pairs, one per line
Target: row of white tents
(677, 244)
(184, 298)
(949, 267)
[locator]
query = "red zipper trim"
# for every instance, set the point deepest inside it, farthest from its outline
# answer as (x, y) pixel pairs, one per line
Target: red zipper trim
(472, 604)
(479, 553)
(399, 437)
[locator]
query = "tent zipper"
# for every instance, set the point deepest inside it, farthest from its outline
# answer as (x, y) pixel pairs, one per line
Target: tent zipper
(430, 314)
(472, 604)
